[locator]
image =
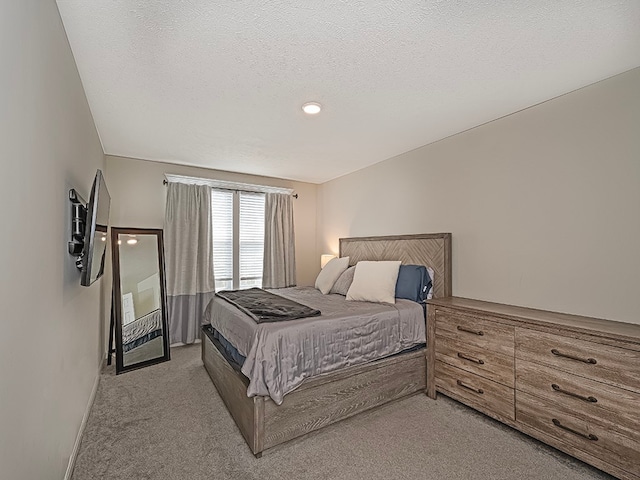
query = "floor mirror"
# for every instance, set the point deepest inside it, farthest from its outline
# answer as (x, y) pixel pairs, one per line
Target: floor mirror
(139, 299)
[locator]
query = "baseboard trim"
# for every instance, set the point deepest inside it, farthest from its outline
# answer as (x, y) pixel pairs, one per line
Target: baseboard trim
(83, 424)
(180, 344)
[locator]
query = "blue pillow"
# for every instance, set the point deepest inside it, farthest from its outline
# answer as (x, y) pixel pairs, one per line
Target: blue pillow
(413, 283)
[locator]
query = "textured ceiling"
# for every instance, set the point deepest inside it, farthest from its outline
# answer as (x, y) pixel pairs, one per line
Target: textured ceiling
(220, 84)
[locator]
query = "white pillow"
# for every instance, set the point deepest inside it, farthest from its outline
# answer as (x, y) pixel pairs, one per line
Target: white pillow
(330, 273)
(375, 282)
(431, 274)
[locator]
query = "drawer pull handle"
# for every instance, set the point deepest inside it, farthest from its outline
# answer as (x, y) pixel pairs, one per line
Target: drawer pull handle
(469, 387)
(469, 330)
(558, 353)
(589, 436)
(559, 389)
(471, 359)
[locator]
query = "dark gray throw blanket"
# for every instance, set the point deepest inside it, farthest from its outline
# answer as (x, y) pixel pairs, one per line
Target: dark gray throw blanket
(265, 306)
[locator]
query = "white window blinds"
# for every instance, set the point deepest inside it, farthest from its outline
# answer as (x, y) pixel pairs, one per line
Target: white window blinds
(238, 238)
(222, 206)
(251, 239)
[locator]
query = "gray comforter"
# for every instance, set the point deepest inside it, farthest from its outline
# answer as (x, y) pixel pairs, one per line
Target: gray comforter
(142, 326)
(280, 356)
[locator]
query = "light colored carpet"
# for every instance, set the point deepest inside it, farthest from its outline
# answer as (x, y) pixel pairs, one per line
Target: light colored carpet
(148, 350)
(168, 422)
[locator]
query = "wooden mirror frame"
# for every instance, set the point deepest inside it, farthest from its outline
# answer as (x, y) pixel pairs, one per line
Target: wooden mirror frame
(117, 297)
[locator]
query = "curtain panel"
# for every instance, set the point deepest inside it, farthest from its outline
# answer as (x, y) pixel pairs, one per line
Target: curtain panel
(279, 265)
(189, 259)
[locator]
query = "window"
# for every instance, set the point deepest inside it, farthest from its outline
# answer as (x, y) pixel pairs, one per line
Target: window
(238, 238)
(251, 239)
(222, 206)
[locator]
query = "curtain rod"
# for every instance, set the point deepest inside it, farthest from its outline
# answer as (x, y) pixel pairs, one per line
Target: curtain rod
(226, 185)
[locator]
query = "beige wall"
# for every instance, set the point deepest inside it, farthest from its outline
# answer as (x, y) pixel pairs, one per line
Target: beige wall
(51, 342)
(139, 201)
(543, 205)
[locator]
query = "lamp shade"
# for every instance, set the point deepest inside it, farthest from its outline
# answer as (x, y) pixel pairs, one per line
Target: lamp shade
(324, 259)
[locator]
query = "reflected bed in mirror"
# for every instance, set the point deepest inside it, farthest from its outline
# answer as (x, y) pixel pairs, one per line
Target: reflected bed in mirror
(139, 298)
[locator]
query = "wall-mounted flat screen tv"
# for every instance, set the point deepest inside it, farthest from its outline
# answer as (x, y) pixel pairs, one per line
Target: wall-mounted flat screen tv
(95, 238)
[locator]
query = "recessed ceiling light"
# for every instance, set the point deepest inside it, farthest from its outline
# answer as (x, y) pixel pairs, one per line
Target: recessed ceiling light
(311, 108)
(132, 241)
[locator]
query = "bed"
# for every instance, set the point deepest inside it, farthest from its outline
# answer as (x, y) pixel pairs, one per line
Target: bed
(327, 397)
(142, 330)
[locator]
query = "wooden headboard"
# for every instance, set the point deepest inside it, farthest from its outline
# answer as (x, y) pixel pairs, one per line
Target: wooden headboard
(429, 249)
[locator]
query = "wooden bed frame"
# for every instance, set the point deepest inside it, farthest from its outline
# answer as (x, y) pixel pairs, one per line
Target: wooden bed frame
(338, 395)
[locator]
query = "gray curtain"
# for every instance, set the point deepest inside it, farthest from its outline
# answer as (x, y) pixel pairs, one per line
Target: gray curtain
(279, 266)
(189, 259)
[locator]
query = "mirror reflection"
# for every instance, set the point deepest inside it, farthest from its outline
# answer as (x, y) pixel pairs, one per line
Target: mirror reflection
(138, 280)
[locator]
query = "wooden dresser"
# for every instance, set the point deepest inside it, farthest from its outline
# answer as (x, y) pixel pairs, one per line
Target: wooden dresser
(572, 382)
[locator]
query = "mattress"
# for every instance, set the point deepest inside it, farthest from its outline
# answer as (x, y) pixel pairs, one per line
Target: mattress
(141, 330)
(280, 356)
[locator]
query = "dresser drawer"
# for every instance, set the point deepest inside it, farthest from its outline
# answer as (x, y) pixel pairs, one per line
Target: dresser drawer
(486, 363)
(604, 363)
(598, 402)
(569, 426)
(478, 392)
(484, 334)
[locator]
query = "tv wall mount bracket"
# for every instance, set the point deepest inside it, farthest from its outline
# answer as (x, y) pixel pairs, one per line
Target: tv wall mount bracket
(78, 225)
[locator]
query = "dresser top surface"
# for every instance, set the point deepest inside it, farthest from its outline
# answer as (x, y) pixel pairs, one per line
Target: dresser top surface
(619, 330)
